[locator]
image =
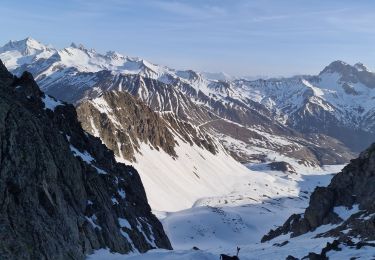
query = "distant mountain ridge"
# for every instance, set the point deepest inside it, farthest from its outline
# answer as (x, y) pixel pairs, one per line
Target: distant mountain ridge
(310, 120)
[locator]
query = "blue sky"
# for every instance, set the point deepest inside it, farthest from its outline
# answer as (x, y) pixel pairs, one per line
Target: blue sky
(240, 37)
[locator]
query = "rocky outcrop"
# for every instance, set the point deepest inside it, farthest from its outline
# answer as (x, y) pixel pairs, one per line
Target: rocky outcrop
(62, 194)
(282, 166)
(347, 203)
(123, 122)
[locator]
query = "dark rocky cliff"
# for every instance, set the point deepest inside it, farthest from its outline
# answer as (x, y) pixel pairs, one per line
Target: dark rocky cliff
(62, 194)
(352, 191)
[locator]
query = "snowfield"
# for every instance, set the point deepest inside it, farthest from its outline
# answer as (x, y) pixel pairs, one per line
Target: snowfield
(254, 202)
(174, 184)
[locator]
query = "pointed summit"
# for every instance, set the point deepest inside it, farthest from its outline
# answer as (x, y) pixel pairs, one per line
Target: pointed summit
(337, 66)
(344, 68)
(14, 54)
(27, 46)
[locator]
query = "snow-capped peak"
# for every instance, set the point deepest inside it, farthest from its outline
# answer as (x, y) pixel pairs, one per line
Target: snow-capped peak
(26, 46)
(17, 53)
(361, 67)
(344, 68)
(336, 67)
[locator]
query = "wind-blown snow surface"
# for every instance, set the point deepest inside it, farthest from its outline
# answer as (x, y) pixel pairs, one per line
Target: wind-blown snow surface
(259, 200)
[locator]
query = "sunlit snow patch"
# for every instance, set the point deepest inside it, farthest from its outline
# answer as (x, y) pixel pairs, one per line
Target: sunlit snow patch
(87, 158)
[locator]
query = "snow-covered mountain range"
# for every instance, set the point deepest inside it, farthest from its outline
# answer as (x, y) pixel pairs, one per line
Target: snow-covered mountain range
(303, 120)
(204, 141)
(339, 92)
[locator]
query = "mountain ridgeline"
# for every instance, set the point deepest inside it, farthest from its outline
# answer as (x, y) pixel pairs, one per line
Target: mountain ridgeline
(62, 193)
(315, 120)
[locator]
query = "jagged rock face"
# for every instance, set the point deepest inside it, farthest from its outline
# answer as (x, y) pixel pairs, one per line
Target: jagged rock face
(62, 193)
(122, 123)
(351, 188)
(191, 133)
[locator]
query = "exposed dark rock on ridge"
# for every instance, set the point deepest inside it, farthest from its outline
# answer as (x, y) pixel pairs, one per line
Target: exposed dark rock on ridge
(352, 188)
(122, 121)
(62, 194)
(136, 121)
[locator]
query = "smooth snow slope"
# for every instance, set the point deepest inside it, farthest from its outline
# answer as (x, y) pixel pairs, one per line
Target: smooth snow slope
(174, 184)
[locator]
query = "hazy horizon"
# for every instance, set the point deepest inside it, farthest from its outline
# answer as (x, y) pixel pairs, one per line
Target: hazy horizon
(245, 38)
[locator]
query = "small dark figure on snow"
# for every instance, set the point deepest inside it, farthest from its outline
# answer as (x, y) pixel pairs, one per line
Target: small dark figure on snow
(227, 257)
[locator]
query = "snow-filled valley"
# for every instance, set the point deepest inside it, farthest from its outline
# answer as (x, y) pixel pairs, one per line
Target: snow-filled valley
(255, 201)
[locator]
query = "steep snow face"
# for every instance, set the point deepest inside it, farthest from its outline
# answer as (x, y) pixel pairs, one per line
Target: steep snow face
(174, 184)
(17, 53)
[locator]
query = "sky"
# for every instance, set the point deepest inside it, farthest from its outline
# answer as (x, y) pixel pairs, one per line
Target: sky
(239, 37)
